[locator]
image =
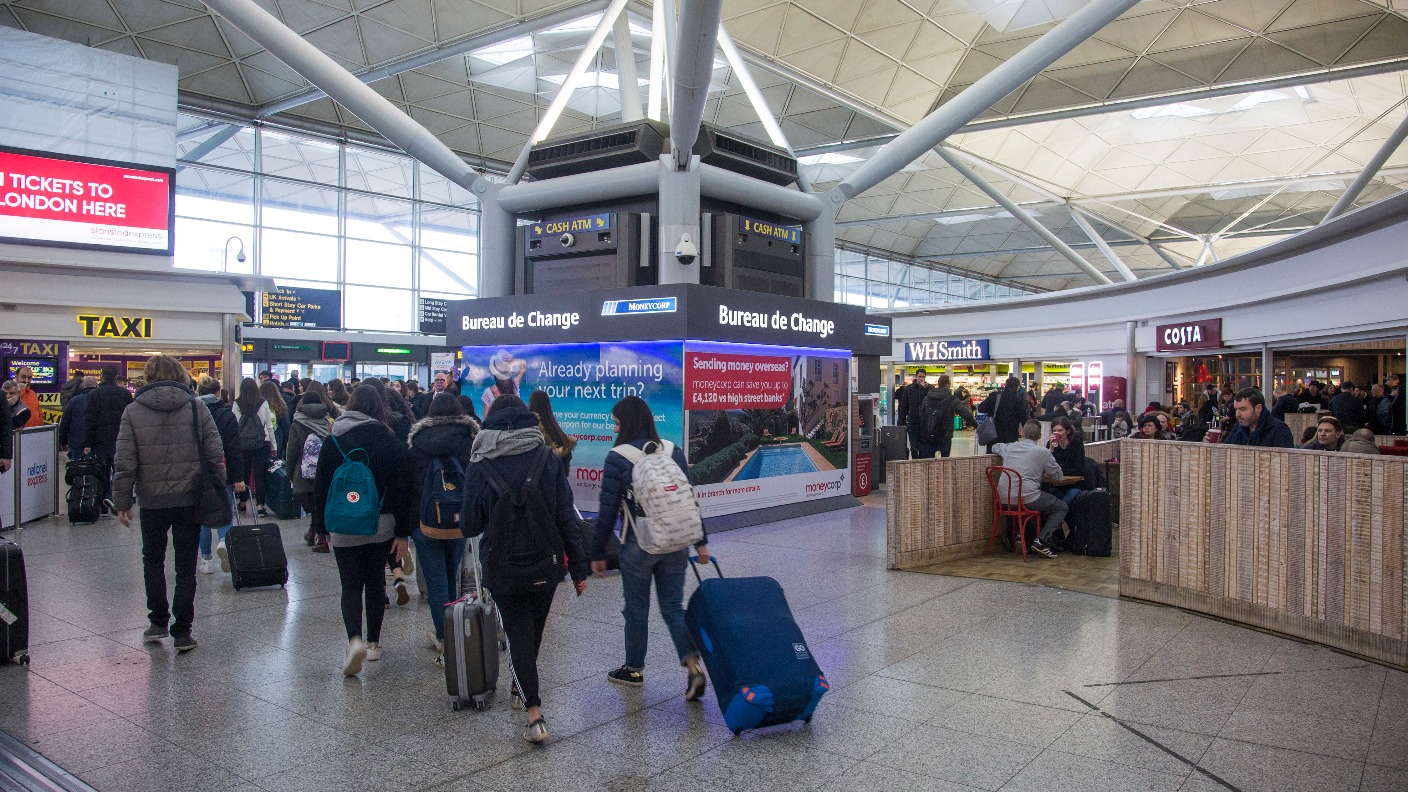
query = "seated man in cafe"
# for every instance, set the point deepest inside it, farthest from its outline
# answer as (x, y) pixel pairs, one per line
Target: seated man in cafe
(1360, 442)
(1036, 464)
(1254, 425)
(1329, 435)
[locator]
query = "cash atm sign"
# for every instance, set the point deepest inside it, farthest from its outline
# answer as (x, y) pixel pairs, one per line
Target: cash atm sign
(791, 234)
(574, 225)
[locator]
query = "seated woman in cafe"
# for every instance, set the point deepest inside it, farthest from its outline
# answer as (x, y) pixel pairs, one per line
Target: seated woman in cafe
(1165, 425)
(1149, 428)
(1068, 447)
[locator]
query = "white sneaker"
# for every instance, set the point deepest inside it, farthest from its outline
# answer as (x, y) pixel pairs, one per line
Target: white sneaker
(435, 643)
(224, 557)
(356, 653)
(207, 566)
(374, 651)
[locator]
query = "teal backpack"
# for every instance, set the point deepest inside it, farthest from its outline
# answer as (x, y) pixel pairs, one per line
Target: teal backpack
(353, 506)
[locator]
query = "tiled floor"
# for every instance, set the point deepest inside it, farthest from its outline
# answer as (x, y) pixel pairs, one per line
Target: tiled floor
(938, 683)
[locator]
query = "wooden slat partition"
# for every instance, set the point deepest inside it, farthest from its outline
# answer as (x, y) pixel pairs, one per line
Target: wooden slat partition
(1299, 421)
(1301, 542)
(936, 509)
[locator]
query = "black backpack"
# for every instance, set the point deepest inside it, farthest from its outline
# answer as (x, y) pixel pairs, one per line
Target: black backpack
(251, 435)
(525, 552)
(934, 415)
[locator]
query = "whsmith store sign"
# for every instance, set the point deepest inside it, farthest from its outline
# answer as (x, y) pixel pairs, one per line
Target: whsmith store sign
(948, 350)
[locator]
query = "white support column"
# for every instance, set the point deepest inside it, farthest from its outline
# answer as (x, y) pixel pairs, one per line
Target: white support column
(692, 68)
(679, 215)
(1268, 376)
(656, 89)
(626, 82)
(1103, 246)
(1022, 215)
(568, 87)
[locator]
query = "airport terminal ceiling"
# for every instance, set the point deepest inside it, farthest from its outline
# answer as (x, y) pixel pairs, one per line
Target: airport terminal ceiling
(1205, 128)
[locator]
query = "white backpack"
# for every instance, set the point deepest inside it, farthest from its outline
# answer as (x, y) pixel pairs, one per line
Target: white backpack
(671, 519)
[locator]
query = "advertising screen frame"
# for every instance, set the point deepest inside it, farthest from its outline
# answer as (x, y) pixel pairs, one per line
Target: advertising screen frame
(170, 174)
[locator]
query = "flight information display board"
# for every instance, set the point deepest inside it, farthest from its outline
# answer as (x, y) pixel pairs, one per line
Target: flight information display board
(288, 306)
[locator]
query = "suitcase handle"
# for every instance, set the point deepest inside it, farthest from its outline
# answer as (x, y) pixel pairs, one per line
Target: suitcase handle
(694, 564)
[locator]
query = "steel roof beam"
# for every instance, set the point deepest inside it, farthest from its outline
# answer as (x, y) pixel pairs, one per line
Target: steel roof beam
(1371, 169)
(211, 143)
(499, 35)
(358, 97)
(934, 128)
(692, 69)
(1021, 214)
(1104, 248)
(628, 86)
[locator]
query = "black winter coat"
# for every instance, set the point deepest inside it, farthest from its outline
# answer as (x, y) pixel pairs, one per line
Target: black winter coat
(105, 406)
(7, 437)
(229, 427)
(1010, 416)
(73, 427)
(1349, 409)
(1268, 433)
(480, 497)
(437, 437)
(386, 458)
(935, 400)
(615, 480)
(914, 402)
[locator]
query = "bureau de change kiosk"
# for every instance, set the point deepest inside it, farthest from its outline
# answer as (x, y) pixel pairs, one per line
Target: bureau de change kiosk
(755, 387)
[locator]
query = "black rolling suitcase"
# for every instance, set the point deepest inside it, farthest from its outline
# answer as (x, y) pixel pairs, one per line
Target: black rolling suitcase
(256, 556)
(14, 605)
(84, 477)
(613, 544)
(471, 645)
(1092, 528)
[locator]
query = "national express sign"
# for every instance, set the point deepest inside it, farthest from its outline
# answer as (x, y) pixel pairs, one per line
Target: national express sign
(944, 351)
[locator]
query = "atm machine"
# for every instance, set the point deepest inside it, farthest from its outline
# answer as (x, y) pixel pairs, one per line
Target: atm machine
(864, 413)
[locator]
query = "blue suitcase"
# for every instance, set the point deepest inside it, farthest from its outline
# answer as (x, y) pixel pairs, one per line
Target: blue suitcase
(762, 671)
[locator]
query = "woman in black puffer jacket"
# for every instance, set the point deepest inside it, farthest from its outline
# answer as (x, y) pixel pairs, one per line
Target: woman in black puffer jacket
(446, 434)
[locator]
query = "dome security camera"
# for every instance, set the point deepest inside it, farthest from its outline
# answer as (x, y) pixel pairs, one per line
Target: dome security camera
(685, 251)
(567, 240)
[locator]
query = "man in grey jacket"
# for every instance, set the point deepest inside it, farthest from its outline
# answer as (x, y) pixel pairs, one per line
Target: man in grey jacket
(163, 457)
(1036, 464)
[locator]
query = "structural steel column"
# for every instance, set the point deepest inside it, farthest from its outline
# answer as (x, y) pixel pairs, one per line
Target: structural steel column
(231, 357)
(911, 144)
(496, 245)
(1131, 362)
(1371, 169)
(821, 256)
(1022, 215)
(627, 84)
(691, 69)
(1268, 378)
(363, 100)
(679, 215)
(1102, 245)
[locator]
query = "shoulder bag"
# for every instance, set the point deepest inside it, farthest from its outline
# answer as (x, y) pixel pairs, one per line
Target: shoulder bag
(212, 498)
(987, 430)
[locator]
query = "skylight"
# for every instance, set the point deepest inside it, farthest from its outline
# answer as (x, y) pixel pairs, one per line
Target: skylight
(592, 79)
(506, 51)
(829, 158)
(1247, 102)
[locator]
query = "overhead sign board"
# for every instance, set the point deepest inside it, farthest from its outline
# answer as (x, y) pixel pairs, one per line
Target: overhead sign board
(791, 234)
(645, 305)
(288, 306)
(1202, 334)
(570, 225)
(103, 326)
(701, 313)
(877, 330)
(48, 199)
(432, 315)
(947, 350)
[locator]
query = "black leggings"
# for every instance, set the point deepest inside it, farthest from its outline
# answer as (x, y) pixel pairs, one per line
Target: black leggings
(524, 617)
(363, 586)
(256, 462)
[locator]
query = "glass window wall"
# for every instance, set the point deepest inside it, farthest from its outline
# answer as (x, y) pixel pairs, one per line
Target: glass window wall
(886, 284)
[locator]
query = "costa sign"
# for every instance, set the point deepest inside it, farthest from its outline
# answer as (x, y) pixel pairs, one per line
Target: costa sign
(78, 202)
(1203, 334)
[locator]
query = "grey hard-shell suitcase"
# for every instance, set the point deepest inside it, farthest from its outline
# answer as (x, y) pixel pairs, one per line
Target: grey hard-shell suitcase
(471, 647)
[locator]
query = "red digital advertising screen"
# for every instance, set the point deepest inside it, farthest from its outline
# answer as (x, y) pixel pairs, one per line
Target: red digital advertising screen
(46, 199)
(723, 381)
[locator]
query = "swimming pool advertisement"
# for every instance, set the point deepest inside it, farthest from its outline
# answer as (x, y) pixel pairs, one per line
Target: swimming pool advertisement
(583, 381)
(767, 425)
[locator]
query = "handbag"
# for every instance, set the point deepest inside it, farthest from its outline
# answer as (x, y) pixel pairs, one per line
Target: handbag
(212, 497)
(987, 430)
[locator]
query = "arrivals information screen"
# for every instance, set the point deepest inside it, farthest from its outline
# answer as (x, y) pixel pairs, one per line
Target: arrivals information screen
(73, 202)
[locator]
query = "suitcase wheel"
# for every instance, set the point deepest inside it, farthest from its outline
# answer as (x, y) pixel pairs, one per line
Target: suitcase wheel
(456, 706)
(480, 706)
(737, 732)
(807, 719)
(24, 659)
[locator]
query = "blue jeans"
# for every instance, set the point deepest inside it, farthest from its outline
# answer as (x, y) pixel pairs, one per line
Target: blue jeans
(638, 568)
(440, 569)
(221, 530)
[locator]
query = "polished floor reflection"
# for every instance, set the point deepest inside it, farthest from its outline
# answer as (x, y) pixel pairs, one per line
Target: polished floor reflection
(938, 683)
